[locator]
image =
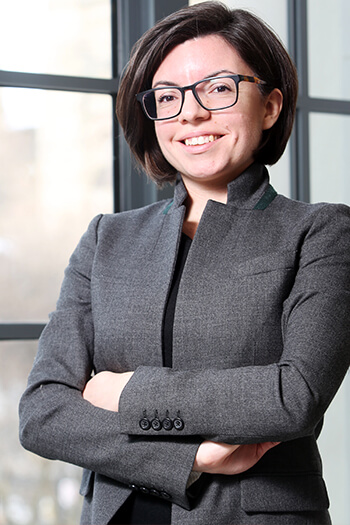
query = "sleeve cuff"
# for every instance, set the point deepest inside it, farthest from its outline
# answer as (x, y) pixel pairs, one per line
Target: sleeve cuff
(192, 478)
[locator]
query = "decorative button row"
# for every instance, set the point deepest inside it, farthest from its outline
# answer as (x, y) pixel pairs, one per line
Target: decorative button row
(150, 492)
(157, 424)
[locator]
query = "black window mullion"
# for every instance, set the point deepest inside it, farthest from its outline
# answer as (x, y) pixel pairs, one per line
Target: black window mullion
(300, 150)
(58, 82)
(115, 138)
(134, 17)
(300, 140)
(20, 331)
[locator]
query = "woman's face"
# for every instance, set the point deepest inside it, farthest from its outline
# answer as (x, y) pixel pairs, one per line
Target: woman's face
(234, 133)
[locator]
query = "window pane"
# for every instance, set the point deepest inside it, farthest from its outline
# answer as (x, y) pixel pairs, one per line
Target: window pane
(330, 158)
(32, 490)
(329, 48)
(334, 447)
(67, 37)
(56, 174)
(280, 174)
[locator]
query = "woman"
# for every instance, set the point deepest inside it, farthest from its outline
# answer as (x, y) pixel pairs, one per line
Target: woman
(216, 323)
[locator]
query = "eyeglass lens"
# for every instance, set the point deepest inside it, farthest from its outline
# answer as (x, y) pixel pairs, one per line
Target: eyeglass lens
(216, 93)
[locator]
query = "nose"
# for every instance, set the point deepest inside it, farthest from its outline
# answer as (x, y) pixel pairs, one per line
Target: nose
(191, 109)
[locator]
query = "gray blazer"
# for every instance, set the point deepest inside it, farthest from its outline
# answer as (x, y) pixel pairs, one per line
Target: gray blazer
(261, 345)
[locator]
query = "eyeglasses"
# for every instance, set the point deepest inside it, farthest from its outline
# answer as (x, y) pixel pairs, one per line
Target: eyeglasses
(212, 94)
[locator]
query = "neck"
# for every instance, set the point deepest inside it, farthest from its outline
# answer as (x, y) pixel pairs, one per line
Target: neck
(198, 196)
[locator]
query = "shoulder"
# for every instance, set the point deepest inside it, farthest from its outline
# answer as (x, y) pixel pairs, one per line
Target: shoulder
(305, 215)
(316, 231)
(139, 220)
(151, 212)
(305, 210)
(119, 233)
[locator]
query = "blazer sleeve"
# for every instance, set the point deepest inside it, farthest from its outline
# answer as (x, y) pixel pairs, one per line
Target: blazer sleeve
(280, 401)
(57, 423)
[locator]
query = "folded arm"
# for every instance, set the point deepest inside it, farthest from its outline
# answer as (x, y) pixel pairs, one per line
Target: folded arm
(104, 390)
(57, 423)
(276, 402)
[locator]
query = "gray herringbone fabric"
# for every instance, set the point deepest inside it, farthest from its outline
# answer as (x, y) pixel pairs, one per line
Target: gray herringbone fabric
(261, 345)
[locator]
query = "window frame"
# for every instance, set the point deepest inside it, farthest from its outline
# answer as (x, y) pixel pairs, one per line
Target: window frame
(129, 20)
(300, 139)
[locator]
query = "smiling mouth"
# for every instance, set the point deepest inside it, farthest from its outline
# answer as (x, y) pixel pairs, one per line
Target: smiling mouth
(203, 139)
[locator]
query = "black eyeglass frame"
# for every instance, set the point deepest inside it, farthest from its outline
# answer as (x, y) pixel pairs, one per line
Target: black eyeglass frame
(236, 78)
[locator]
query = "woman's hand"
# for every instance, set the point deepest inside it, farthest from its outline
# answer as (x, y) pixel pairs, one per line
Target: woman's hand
(221, 458)
(105, 388)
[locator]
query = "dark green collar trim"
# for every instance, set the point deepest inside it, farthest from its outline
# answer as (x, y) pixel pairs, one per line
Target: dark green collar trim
(165, 211)
(262, 204)
(266, 199)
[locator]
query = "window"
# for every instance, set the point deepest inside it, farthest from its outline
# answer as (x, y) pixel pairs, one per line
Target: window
(56, 154)
(320, 43)
(62, 163)
(57, 173)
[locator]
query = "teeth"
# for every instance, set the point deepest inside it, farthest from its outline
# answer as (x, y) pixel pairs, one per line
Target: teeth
(195, 141)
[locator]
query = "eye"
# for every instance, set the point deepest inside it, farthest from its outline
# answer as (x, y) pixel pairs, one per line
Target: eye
(167, 97)
(220, 88)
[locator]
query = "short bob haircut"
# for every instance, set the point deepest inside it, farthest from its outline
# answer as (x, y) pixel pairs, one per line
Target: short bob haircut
(257, 45)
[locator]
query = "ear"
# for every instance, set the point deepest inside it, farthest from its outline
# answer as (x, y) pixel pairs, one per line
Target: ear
(273, 108)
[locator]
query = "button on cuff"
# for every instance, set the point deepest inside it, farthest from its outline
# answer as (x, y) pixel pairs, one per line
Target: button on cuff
(178, 424)
(156, 424)
(150, 491)
(145, 423)
(167, 423)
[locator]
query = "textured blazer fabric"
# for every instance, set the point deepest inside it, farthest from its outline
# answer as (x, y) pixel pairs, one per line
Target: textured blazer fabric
(260, 347)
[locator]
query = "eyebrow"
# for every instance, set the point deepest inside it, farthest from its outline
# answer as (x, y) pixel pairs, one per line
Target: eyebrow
(215, 74)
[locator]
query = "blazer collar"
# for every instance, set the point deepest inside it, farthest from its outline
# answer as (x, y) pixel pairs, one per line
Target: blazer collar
(245, 192)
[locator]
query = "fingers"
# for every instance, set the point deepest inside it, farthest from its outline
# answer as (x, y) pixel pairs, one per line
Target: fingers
(221, 458)
(262, 448)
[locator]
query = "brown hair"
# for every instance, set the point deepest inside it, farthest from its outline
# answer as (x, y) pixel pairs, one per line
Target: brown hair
(257, 45)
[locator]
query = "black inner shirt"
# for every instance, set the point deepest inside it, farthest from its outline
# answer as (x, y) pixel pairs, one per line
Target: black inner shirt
(168, 321)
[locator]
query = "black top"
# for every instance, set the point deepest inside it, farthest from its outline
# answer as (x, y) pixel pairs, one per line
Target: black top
(168, 321)
(140, 509)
